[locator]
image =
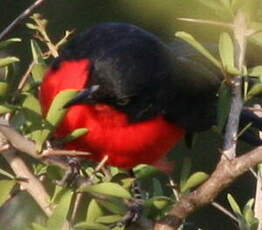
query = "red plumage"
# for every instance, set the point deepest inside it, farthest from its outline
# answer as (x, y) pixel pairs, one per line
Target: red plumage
(127, 144)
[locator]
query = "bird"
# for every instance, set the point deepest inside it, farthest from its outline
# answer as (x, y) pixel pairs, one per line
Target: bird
(137, 97)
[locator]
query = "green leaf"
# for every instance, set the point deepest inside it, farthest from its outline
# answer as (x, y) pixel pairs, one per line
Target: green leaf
(157, 188)
(223, 108)
(38, 71)
(193, 42)
(255, 71)
(110, 219)
(32, 103)
(3, 89)
(185, 171)
(8, 60)
(55, 114)
(75, 134)
(93, 212)
(31, 26)
(36, 52)
(113, 206)
(255, 90)
(91, 226)
(58, 218)
(108, 188)
(226, 52)
(37, 226)
(159, 202)
(6, 187)
(194, 180)
(144, 171)
(7, 174)
(7, 42)
(233, 204)
(5, 109)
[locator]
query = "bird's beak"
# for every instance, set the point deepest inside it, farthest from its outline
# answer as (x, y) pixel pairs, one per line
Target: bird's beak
(82, 96)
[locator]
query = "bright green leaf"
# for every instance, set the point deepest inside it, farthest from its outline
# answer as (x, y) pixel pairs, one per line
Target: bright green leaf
(193, 42)
(38, 71)
(107, 188)
(93, 212)
(255, 90)
(5, 109)
(37, 226)
(144, 171)
(6, 187)
(226, 52)
(3, 89)
(194, 180)
(233, 204)
(32, 103)
(36, 52)
(58, 218)
(75, 134)
(7, 42)
(109, 219)
(8, 60)
(91, 226)
(7, 174)
(255, 71)
(113, 206)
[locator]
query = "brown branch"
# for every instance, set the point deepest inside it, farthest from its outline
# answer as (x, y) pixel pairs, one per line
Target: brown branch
(226, 172)
(20, 18)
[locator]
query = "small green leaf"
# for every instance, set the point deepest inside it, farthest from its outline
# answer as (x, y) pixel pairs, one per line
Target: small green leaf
(185, 171)
(32, 103)
(93, 212)
(7, 42)
(7, 174)
(58, 218)
(5, 109)
(254, 91)
(3, 89)
(38, 71)
(109, 219)
(223, 108)
(226, 52)
(75, 134)
(37, 226)
(160, 202)
(8, 60)
(36, 52)
(107, 188)
(144, 171)
(255, 71)
(233, 204)
(91, 226)
(6, 187)
(113, 206)
(194, 180)
(193, 42)
(157, 188)
(31, 26)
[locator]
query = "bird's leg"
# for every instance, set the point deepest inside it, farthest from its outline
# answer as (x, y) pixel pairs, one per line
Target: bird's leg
(135, 206)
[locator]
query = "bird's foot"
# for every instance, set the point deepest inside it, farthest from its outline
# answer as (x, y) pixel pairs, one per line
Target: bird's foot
(135, 207)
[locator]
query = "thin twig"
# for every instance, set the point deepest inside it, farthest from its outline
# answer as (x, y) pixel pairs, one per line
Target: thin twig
(224, 210)
(20, 18)
(209, 22)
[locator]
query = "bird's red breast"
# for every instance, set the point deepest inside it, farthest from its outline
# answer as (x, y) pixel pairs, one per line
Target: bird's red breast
(127, 144)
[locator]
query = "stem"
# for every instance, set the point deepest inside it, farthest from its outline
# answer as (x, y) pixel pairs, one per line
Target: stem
(20, 18)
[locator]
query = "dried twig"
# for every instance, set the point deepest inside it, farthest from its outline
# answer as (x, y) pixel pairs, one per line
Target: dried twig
(20, 18)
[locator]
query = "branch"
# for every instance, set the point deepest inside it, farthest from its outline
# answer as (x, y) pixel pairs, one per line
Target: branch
(226, 172)
(230, 140)
(20, 18)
